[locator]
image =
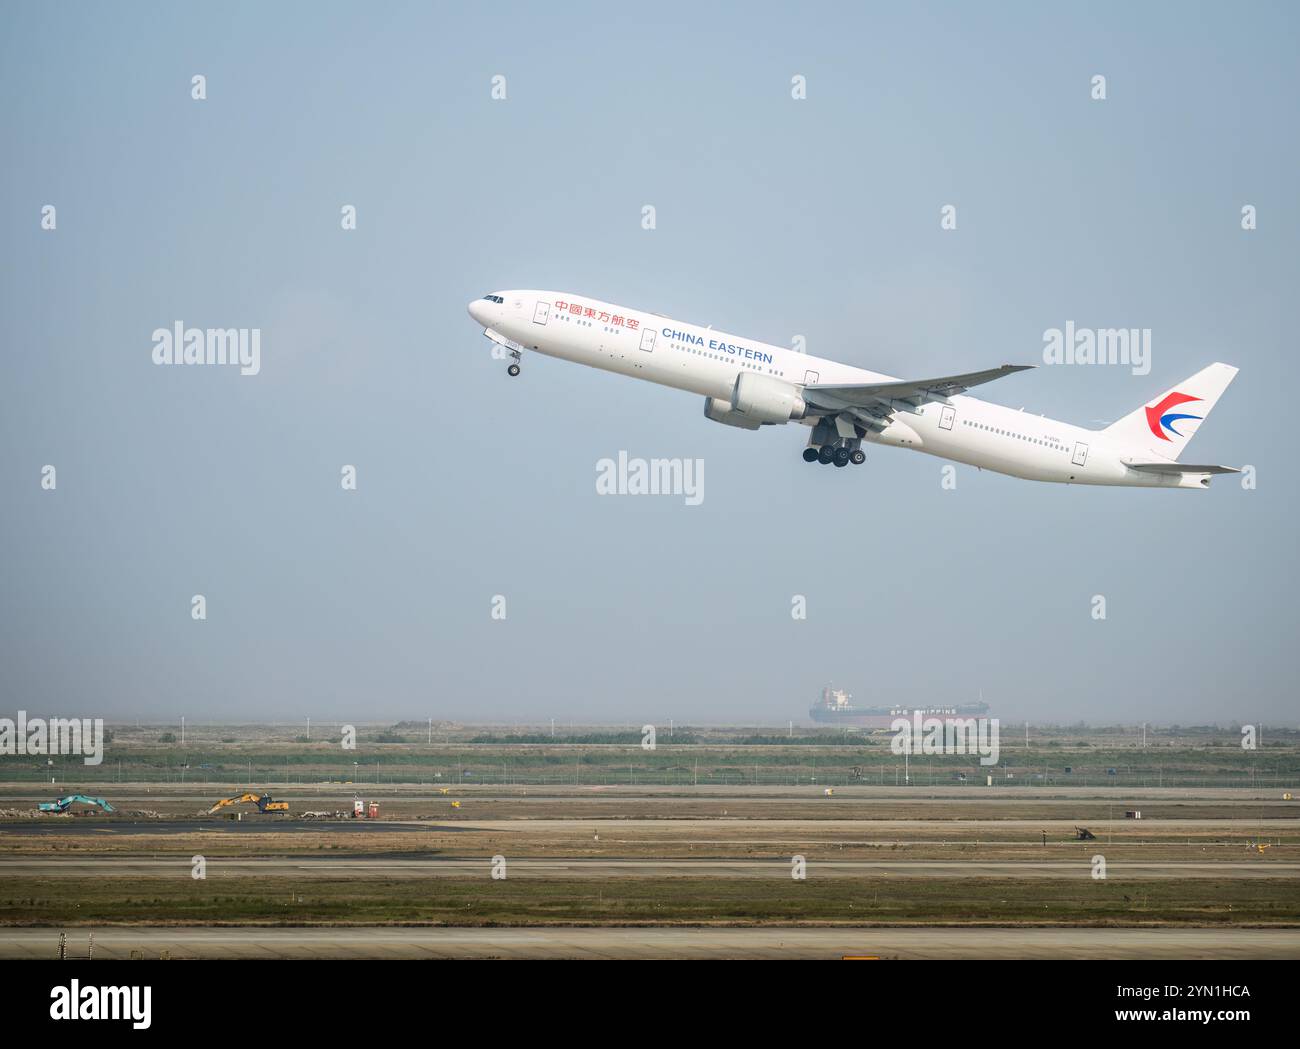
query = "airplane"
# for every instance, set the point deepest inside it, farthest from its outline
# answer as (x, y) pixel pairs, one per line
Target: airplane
(751, 384)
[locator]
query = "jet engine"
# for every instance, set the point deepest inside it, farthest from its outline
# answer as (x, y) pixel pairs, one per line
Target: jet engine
(767, 399)
(722, 412)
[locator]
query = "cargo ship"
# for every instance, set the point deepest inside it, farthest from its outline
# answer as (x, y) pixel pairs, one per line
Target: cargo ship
(836, 708)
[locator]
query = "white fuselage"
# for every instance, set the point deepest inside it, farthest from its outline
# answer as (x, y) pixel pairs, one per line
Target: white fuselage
(703, 361)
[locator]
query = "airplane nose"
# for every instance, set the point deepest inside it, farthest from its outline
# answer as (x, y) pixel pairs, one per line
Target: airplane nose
(478, 309)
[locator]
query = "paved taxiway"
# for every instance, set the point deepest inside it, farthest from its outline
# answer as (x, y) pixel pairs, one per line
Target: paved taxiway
(603, 943)
(452, 867)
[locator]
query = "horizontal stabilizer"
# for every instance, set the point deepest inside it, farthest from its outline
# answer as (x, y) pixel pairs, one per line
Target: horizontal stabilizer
(1179, 468)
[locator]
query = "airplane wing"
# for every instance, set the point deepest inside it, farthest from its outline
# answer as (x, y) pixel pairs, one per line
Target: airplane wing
(873, 404)
(915, 391)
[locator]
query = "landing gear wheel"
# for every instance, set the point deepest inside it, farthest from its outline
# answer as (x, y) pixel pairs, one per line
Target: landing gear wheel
(841, 457)
(810, 455)
(858, 457)
(825, 455)
(513, 370)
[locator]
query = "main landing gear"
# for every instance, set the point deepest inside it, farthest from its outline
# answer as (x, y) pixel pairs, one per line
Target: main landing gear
(841, 453)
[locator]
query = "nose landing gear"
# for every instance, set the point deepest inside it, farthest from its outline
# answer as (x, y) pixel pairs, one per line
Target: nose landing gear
(501, 347)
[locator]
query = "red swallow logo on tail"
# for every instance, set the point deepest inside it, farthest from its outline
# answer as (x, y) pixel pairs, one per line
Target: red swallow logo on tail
(1160, 418)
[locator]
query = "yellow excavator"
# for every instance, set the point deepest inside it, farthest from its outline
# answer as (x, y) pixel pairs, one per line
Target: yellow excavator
(262, 801)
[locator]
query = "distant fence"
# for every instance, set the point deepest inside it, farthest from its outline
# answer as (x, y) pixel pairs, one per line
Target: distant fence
(1280, 772)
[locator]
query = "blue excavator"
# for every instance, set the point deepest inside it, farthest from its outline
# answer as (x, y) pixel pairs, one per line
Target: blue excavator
(63, 804)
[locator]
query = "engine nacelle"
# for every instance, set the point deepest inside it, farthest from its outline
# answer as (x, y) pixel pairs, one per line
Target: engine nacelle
(766, 399)
(721, 412)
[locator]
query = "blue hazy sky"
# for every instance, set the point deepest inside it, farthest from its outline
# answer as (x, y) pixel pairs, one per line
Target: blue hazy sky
(775, 217)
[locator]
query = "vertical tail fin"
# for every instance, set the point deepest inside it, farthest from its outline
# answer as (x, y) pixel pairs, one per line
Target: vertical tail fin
(1165, 424)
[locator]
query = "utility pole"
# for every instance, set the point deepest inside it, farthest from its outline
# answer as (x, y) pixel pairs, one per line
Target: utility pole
(182, 730)
(431, 732)
(309, 728)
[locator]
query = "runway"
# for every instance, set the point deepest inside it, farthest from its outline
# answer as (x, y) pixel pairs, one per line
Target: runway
(657, 942)
(534, 867)
(702, 829)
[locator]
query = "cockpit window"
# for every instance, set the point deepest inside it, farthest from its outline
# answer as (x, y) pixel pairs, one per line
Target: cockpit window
(495, 298)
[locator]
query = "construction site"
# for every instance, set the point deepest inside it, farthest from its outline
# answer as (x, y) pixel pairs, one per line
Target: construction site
(736, 838)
